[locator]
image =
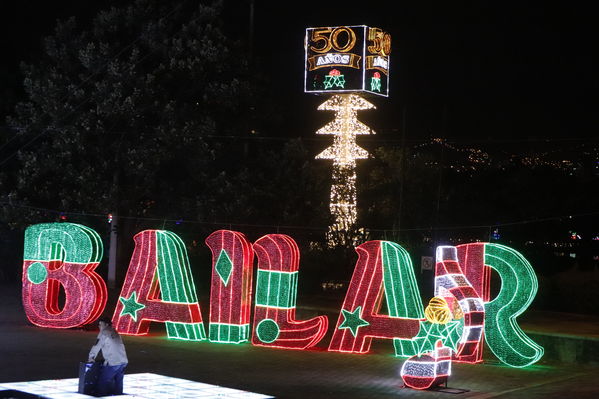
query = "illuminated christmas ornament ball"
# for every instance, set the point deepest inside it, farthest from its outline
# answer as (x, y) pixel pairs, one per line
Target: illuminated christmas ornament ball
(438, 311)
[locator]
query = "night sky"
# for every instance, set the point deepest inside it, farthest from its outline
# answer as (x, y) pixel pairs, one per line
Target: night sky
(462, 70)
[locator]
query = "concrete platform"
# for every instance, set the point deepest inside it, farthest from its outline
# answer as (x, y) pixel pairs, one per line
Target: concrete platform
(29, 353)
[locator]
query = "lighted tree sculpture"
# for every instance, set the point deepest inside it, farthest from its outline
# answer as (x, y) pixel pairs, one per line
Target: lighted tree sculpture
(344, 153)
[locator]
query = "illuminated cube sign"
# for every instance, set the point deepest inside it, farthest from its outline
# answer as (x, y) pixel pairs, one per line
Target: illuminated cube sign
(347, 59)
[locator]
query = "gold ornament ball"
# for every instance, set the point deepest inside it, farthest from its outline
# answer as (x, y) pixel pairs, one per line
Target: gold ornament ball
(438, 311)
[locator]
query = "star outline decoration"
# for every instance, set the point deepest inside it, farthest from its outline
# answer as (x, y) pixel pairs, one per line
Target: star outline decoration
(131, 306)
(375, 84)
(353, 320)
(334, 80)
(429, 333)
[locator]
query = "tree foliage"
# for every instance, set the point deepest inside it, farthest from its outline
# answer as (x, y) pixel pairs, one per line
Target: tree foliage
(123, 115)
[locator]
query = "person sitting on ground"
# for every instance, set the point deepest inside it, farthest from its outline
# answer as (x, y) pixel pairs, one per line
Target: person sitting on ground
(115, 358)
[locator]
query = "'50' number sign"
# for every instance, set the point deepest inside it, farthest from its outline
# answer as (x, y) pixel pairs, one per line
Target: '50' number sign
(343, 39)
(347, 59)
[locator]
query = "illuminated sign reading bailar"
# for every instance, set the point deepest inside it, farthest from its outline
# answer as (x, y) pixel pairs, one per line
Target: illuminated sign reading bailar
(159, 288)
(347, 59)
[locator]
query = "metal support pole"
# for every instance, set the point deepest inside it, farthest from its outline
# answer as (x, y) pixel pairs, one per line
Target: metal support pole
(112, 252)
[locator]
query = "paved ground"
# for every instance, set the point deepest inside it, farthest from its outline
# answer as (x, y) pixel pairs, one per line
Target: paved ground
(32, 353)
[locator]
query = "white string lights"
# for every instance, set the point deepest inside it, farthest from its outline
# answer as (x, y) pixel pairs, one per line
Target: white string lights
(344, 153)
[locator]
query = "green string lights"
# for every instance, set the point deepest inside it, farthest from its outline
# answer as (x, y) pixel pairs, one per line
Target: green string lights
(62, 255)
(159, 287)
(519, 286)
(382, 301)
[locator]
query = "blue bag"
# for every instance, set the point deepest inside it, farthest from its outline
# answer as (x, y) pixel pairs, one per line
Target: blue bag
(89, 373)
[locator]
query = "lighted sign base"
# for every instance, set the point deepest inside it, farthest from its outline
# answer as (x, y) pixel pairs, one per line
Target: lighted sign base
(141, 386)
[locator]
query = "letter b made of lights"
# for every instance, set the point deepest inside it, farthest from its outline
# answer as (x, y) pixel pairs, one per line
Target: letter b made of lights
(347, 62)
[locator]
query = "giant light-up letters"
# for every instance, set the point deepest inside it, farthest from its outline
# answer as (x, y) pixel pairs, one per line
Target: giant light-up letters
(384, 270)
(159, 287)
(382, 301)
(62, 255)
(231, 287)
(276, 293)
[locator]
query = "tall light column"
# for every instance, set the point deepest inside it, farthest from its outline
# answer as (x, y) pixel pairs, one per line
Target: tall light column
(344, 152)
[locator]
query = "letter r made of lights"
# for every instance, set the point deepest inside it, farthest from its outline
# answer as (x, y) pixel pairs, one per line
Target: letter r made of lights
(344, 153)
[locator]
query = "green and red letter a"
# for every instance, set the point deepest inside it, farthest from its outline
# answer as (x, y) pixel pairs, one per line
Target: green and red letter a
(159, 287)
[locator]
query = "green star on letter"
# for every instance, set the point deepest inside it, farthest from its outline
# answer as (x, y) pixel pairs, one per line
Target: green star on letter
(353, 320)
(131, 306)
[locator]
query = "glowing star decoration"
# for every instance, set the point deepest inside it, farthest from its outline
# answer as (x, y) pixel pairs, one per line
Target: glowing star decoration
(383, 270)
(375, 82)
(518, 288)
(231, 287)
(353, 321)
(344, 153)
(62, 255)
(159, 287)
(433, 347)
(431, 332)
(334, 79)
(276, 292)
(131, 306)
(438, 326)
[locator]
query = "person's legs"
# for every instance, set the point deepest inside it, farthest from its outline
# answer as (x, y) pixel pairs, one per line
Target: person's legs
(118, 379)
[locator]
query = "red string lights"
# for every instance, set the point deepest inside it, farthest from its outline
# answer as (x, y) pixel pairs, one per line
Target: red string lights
(382, 301)
(231, 287)
(159, 287)
(276, 291)
(62, 255)
(453, 285)
(383, 268)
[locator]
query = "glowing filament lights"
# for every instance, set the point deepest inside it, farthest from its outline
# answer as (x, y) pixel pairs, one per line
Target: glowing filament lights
(159, 287)
(344, 153)
(276, 292)
(347, 59)
(62, 255)
(231, 287)
(383, 270)
(382, 301)
(519, 286)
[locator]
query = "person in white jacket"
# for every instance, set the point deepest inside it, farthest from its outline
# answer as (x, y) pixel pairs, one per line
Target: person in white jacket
(115, 358)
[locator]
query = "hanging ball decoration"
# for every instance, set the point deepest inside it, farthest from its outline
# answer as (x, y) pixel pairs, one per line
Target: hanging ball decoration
(438, 311)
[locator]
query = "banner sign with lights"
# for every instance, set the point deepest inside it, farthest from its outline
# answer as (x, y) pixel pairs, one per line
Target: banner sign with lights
(382, 301)
(347, 59)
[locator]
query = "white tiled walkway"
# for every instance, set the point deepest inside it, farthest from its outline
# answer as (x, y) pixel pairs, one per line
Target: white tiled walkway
(136, 386)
